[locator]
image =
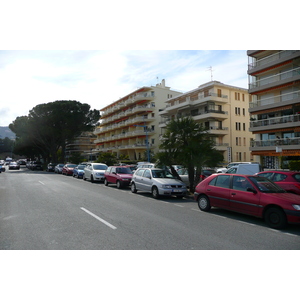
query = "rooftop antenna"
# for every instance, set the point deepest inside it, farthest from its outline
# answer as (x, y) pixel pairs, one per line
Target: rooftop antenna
(211, 72)
(157, 79)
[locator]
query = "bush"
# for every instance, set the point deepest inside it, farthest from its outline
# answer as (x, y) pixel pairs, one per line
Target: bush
(294, 165)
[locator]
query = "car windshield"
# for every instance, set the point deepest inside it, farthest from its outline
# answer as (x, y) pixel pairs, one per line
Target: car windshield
(71, 166)
(297, 177)
(162, 174)
(124, 171)
(99, 167)
(81, 167)
(266, 186)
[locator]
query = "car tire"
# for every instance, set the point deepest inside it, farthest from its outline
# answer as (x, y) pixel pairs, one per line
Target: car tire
(275, 218)
(119, 184)
(92, 179)
(155, 192)
(204, 203)
(84, 178)
(105, 182)
(133, 188)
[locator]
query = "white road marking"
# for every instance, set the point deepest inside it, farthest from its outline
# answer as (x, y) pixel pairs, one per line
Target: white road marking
(42, 183)
(98, 218)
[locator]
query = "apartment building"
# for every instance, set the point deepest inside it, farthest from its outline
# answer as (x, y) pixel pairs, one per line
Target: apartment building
(223, 110)
(82, 144)
(130, 125)
(274, 83)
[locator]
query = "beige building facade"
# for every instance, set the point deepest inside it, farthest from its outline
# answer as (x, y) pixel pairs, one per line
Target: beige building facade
(130, 125)
(223, 110)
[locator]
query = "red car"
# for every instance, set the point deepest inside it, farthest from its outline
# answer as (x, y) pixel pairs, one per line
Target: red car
(68, 169)
(289, 181)
(249, 194)
(119, 175)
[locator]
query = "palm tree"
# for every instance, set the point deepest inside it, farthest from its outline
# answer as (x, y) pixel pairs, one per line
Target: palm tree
(188, 143)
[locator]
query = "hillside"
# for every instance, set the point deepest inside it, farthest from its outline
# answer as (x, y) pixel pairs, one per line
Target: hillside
(6, 132)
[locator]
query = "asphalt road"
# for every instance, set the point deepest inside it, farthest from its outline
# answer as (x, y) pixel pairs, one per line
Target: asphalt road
(40, 210)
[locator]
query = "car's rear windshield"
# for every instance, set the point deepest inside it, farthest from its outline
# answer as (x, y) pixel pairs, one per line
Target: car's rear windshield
(297, 177)
(124, 171)
(100, 167)
(266, 186)
(162, 174)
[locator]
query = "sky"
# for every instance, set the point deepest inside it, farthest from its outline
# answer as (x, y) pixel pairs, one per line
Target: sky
(100, 77)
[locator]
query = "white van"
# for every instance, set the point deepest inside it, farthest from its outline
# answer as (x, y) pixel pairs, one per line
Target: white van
(245, 169)
(232, 164)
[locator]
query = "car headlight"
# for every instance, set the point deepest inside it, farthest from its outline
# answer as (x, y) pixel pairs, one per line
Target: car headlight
(166, 186)
(296, 206)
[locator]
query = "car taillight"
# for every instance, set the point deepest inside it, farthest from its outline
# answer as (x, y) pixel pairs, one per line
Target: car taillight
(297, 185)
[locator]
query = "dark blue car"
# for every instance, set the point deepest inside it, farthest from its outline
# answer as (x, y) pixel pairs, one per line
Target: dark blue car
(78, 171)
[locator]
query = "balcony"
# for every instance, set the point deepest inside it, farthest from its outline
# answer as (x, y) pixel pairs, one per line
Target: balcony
(217, 130)
(277, 101)
(285, 144)
(274, 59)
(275, 123)
(274, 80)
(193, 101)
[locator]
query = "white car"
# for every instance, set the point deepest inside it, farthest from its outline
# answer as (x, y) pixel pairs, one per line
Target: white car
(94, 172)
(159, 182)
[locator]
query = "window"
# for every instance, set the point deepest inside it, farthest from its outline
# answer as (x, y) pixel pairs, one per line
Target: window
(237, 126)
(244, 112)
(244, 141)
(236, 141)
(219, 93)
(147, 174)
(243, 97)
(221, 181)
(240, 183)
(244, 126)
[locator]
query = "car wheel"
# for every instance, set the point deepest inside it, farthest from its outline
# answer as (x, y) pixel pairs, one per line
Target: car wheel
(105, 182)
(203, 203)
(133, 188)
(275, 218)
(119, 184)
(155, 192)
(84, 178)
(92, 179)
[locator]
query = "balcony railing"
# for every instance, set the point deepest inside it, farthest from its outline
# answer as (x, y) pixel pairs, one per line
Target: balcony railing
(274, 121)
(271, 58)
(275, 78)
(276, 99)
(276, 142)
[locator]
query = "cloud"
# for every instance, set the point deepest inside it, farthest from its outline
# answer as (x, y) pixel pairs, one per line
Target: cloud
(29, 78)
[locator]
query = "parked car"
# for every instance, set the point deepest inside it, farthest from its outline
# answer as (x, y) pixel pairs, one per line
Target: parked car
(79, 171)
(68, 169)
(36, 165)
(246, 169)
(288, 180)
(13, 166)
(94, 172)
(183, 173)
(249, 194)
(58, 168)
(159, 182)
(50, 167)
(2, 167)
(119, 175)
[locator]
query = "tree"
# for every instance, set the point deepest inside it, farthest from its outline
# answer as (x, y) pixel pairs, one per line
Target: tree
(188, 143)
(49, 126)
(107, 158)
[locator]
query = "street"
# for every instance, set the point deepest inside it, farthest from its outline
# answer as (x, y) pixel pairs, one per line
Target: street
(44, 211)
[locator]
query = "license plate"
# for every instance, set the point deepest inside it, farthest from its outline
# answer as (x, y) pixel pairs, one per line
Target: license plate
(176, 191)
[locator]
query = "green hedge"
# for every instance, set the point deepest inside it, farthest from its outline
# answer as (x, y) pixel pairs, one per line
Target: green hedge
(294, 165)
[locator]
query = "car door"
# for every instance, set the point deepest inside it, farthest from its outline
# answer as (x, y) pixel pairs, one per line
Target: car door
(218, 191)
(241, 199)
(138, 178)
(113, 175)
(146, 181)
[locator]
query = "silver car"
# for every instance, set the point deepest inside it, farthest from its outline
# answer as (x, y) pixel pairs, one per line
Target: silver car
(94, 172)
(158, 182)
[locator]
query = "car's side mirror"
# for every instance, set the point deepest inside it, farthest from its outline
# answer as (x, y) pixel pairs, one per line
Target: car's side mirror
(250, 189)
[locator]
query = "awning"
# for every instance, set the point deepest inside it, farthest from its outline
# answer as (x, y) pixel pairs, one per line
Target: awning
(276, 130)
(279, 108)
(274, 153)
